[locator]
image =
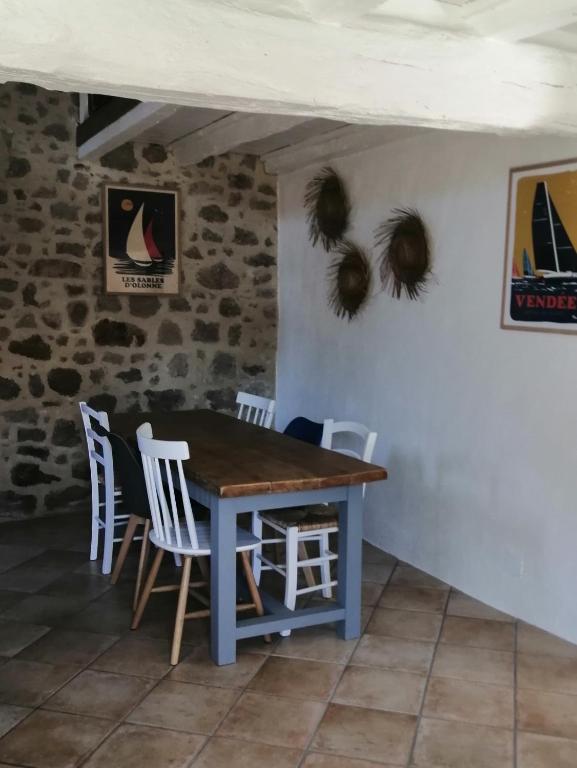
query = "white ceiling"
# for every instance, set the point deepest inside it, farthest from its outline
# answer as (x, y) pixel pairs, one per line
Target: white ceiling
(291, 141)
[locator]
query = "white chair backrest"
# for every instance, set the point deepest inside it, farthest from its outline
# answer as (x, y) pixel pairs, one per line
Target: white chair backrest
(162, 464)
(255, 409)
(367, 438)
(89, 418)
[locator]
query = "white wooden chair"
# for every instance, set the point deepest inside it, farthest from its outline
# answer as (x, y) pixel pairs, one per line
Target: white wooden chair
(299, 527)
(175, 530)
(255, 409)
(105, 497)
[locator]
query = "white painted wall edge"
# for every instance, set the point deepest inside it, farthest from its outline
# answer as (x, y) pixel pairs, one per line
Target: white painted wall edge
(191, 52)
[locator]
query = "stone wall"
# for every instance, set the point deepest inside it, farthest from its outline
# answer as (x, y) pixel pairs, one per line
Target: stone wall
(63, 340)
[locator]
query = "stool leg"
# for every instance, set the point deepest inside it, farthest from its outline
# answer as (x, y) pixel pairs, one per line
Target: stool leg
(256, 561)
(326, 566)
(291, 565)
(253, 588)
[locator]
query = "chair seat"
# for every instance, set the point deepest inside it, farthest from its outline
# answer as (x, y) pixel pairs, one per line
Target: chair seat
(244, 541)
(311, 518)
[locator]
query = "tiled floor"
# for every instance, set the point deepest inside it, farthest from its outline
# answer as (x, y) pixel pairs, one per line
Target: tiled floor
(438, 680)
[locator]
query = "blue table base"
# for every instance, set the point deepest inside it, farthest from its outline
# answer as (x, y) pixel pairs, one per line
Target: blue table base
(225, 628)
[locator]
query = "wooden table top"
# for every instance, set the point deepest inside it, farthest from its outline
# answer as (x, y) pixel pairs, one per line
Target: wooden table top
(232, 458)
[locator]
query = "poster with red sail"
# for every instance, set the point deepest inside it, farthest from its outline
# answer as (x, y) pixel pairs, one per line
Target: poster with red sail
(540, 278)
(141, 243)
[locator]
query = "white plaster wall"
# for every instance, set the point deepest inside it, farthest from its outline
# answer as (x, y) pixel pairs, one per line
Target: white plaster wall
(477, 426)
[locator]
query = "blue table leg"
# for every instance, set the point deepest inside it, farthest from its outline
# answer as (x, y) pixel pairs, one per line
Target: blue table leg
(350, 562)
(223, 582)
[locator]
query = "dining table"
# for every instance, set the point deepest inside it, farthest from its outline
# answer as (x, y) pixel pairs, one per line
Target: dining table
(237, 467)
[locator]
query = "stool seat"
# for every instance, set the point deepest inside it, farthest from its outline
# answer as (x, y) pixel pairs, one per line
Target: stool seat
(312, 518)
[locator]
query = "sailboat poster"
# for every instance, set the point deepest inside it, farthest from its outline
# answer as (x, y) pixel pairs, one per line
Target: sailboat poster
(540, 278)
(141, 240)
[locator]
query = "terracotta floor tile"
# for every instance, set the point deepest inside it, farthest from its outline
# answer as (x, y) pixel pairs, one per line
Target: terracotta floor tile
(26, 578)
(225, 753)
(476, 664)
(29, 683)
(62, 560)
(470, 702)
(370, 593)
(296, 677)
(272, 720)
(479, 633)
(135, 654)
(198, 667)
(77, 586)
(15, 636)
(62, 646)
(546, 673)
(410, 625)
(99, 694)
(10, 716)
(8, 599)
(554, 714)
(443, 744)
(137, 746)
(366, 734)
(414, 599)
(320, 643)
(12, 555)
(407, 576)
(463, 605)
(372, 555)
(379, 573)
(533, 640)
(318, 760)
(381, 689)
(394, 653)
(184, 707)
(105, 618)
(52, 740)
(44, 609)
(538, 751)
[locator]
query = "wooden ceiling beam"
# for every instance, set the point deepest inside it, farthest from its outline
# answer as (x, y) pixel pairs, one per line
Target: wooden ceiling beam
(207, 54)
(230, 132)
(514, 20)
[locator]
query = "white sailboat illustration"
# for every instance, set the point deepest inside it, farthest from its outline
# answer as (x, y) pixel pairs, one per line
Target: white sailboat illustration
(140, 246)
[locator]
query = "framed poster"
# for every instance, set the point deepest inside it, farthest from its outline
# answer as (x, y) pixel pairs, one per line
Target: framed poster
(141, 242)
(540, 277)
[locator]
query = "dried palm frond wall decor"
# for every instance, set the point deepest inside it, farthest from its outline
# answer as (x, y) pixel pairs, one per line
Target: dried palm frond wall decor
(350, 280)
(405, 261)
(328, 207)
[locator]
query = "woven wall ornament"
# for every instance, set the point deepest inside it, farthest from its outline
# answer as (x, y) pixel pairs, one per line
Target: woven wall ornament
(351, 278)
(328, 206)
(405, 262)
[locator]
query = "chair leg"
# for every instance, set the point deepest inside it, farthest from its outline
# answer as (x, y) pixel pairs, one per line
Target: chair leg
(181, 610)
(308, 571)
(109, 509)
(142, 560)
(290, 595)
(95, 519)
(253, 588)
(149, 584)
(133, 522)
(256, 561)
(326, 566)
